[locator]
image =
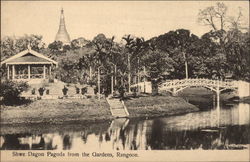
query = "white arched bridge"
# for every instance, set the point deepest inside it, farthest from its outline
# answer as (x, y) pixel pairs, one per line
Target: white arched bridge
(175, 86)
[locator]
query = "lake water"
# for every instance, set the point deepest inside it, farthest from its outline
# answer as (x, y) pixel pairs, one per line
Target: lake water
(224, 127)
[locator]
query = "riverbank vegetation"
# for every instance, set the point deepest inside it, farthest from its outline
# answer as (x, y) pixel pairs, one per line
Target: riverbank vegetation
(155, 106)
(10, 92)
(56, 111)
(245, 100)
(91, 109)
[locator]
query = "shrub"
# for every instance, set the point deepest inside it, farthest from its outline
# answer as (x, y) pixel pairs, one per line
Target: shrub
(41, 90)
(84, 90)
(51, 80)
(65, 90)
(77, 90)
(10, 91)
(47, 92)
(96, 90)
(33, 91)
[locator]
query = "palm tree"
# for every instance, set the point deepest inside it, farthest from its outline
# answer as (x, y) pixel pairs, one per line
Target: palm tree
(129, 49)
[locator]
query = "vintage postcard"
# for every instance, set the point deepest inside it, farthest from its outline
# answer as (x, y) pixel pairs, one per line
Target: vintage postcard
(125, 81)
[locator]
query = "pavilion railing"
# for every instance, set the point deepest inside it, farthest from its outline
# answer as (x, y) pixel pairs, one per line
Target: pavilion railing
(36, 76)
(32, 76)
(21, 76)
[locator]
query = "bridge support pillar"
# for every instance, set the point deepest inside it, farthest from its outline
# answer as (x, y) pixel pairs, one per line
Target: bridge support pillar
(243, 89)
(218, 94)
(174, 92)
(218, 98)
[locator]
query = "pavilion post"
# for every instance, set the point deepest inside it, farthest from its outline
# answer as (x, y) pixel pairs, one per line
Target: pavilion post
(50, 70)
(28, 71)
(144, 79)
(13, 72)
(115, 75)
(112, 85)
(8, 72)
(99, 84)
(44, 72)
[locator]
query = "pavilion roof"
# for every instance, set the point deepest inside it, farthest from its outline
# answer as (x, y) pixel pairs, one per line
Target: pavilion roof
(28, 56)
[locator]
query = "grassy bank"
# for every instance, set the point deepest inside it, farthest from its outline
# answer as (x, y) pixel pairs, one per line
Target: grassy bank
(56, 111)
(154, 106)
(91, 110)
(245, 100)
(203, 95)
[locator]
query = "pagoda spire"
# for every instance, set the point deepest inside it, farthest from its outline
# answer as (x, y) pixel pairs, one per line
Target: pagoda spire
(62, 34)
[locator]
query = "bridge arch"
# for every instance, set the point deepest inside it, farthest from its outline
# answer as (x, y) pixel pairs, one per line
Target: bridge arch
(210, 88)
(217, 86)
(175, 86)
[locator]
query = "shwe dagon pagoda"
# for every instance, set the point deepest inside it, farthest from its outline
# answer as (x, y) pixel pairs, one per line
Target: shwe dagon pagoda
(62, 34)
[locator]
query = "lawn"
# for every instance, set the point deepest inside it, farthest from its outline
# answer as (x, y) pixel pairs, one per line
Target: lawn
(153, 106)
(56, 111)
(91, 110)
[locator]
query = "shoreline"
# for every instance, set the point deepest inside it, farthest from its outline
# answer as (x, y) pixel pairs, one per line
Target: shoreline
(69, 111)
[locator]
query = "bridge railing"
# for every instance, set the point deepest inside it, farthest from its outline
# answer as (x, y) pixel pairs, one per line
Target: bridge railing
(198, 82)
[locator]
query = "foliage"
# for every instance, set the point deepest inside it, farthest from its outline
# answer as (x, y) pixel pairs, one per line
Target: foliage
(159, 66)
(13, 45)
(68, 71)
(77, 90)
(84, 90)
(181, 46)
(174, 55)
(65, 90)
(237, 48)
(10, 91)
(41, 91)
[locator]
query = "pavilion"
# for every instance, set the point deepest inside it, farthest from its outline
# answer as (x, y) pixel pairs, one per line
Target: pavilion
(29, 65)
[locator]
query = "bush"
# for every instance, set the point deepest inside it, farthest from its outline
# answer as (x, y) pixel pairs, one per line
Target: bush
(51, 80)
(41, 90)
(33, 91)
(77, 90)
(47, 92)
(84, 90)
(65, 90)
(10, 91)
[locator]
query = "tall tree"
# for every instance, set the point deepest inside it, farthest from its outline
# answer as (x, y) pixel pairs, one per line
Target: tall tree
(13, 45)
(159, 64)
(180, 45)
(56, 47)
(227, 31)
(128, 51)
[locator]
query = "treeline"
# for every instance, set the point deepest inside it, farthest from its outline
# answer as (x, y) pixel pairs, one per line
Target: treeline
(220, 53)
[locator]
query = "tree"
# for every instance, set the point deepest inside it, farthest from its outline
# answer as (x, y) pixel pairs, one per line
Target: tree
(159, 64)
(238, 58)
(128, 50)
(105, 51)
(227, 31)
(180, 45)
(10, 91)
(139, 45)
(68, 71)
(56, 47)
(79, 43)
(133, 51)
(13, 45)
(87, 63)
(214, 16)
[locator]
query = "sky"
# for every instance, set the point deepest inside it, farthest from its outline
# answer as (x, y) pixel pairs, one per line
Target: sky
(113, 18)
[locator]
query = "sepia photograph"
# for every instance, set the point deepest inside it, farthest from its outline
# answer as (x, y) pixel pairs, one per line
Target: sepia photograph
(125, 81)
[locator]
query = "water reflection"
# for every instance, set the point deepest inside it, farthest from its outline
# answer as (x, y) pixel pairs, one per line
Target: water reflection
(223, 128)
